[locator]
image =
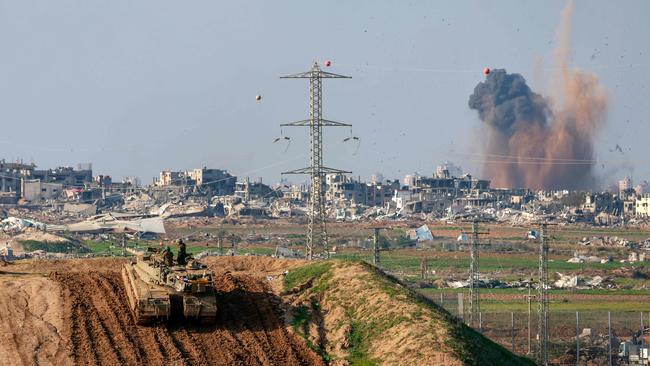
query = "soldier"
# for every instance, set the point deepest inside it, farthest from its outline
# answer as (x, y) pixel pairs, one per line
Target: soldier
(182, 253)
(168, 257)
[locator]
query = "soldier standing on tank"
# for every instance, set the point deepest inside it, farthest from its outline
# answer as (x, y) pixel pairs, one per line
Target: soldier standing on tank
(182, 253)
(168, 257)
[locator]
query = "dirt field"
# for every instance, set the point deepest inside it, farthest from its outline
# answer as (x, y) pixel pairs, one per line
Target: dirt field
(74, 312)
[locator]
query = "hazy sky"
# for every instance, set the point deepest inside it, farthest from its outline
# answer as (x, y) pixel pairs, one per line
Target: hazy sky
(136, 87)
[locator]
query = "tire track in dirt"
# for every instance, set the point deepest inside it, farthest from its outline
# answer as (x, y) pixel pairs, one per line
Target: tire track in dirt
(249, 330)
(129, 347)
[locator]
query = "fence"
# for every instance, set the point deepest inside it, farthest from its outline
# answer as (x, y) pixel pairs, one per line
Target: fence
(592, 336)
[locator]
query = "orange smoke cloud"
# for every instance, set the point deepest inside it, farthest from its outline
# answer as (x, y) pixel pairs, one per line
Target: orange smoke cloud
(539, 142)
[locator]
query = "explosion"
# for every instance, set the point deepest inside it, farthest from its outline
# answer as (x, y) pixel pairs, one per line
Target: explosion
(532, 141)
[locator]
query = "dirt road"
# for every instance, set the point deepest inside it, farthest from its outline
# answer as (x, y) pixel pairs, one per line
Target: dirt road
(86, 321)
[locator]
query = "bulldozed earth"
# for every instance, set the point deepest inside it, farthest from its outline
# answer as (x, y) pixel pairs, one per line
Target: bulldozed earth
(270, 312)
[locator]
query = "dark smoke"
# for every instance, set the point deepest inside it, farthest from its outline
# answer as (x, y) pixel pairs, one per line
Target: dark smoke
(504, 102)
(532, 142)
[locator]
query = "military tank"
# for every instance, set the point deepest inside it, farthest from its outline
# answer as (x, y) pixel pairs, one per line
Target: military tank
(158, 291)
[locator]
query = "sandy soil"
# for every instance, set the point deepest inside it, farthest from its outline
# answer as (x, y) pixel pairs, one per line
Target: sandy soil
(30, 322)
(78, 315)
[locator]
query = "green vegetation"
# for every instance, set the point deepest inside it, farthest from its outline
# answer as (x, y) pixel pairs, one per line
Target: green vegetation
(504, 291)
(303, 274)
(58, 247)
(359, 339)
(400, 261)
(255, 250)
(295, 236)
(99, 246)
(364, 330)
(483, 350)
(300, 317)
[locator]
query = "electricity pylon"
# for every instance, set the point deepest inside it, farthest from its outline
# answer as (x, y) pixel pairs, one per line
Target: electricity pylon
(316, 232)
(474, 276)
(542, 298)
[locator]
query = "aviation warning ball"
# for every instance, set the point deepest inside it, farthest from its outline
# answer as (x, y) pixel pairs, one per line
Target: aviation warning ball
(258, 97)
(486, 71)
(328, 63)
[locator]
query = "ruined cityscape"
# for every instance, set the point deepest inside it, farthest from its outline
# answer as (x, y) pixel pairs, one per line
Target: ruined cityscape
(529, 246)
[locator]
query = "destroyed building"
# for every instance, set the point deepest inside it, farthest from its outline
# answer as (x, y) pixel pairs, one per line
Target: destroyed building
(642, 207)
(602, 202)
(215, 182)
(36, 190)
(10, 180)
(66, 175)
(248, 190)
(374, 193)
(19, 180)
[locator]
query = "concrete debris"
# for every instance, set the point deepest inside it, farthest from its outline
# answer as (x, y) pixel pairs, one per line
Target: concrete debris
(284, 252)
(585, 259)
(582, 283)
(82, 209)
(16, 225)
(118, 223)
(566, 281)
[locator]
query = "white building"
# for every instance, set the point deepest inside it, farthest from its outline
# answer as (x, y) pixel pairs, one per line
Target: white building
(35, 189)
(643, 205)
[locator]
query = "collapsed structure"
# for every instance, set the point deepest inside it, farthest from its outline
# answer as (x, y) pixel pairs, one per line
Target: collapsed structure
(447, 194)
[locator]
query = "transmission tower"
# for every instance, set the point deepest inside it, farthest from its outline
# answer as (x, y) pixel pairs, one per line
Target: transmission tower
(542, 298)
(375, 245)
(474, 275)
(316, 232)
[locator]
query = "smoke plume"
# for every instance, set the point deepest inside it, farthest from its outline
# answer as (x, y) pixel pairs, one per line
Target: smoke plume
(536, 141)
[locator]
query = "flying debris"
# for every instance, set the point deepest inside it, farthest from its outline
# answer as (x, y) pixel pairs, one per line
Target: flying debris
(258, 97)
(328, 63)
(617, 148)
(533, 143)
(486, 71)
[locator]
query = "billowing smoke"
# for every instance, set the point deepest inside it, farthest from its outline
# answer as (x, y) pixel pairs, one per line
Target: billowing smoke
(538, 142)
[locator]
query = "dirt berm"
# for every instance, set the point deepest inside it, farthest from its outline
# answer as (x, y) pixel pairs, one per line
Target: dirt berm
(68, 312)
(353, 313)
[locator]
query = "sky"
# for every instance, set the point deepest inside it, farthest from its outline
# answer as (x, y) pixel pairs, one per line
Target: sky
(136, 87)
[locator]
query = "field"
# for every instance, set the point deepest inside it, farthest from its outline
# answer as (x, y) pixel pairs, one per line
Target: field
(504, 311)
(510, 258)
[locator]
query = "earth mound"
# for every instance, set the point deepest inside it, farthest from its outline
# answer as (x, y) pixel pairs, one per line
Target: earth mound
(271, 312)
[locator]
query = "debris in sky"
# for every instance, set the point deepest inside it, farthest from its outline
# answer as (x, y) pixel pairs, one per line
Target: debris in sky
(533, 142)
(617, 148)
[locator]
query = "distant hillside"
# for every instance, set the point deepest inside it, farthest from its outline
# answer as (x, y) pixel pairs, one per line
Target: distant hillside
(353, 314)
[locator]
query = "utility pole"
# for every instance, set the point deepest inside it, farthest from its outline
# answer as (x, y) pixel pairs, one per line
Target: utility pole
(316, 230)
(474, 275)
(234, 240)
(375, 245)
(529, 298)
(542, 298)
(609, 338)
(577, 338)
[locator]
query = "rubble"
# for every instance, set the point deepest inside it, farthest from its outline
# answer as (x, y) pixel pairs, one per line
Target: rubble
(586, 259)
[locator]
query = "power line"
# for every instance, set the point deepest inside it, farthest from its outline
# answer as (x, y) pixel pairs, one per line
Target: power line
(316, 231)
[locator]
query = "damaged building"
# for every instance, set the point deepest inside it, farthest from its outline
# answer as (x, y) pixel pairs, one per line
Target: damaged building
(374, 193)
(215, 182)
